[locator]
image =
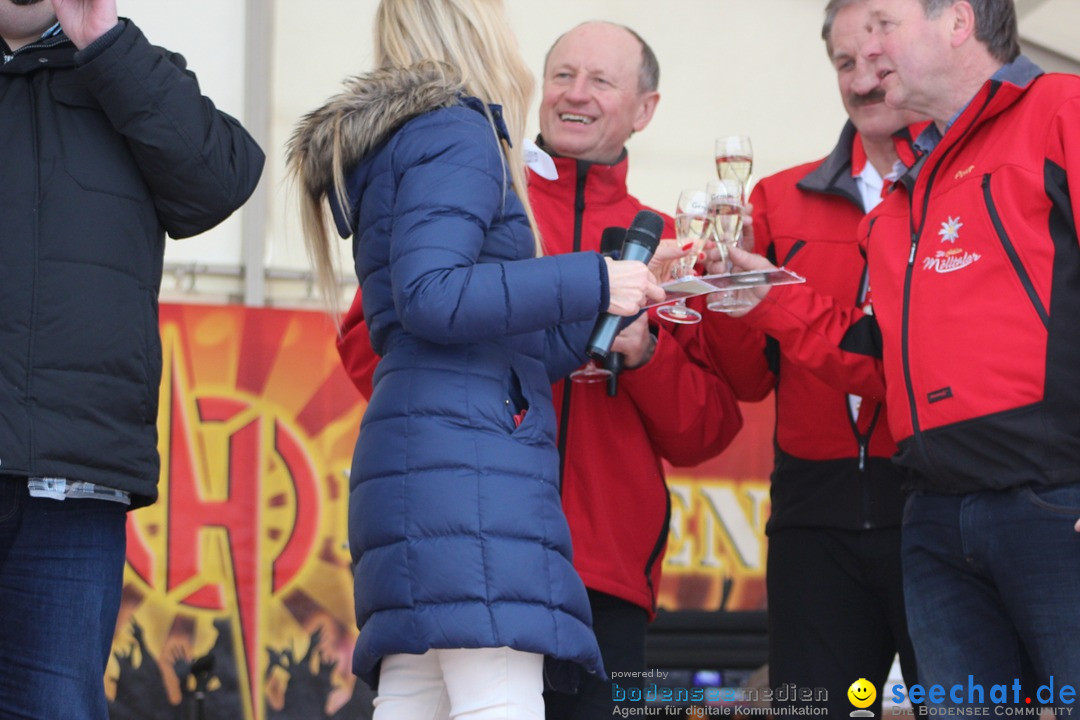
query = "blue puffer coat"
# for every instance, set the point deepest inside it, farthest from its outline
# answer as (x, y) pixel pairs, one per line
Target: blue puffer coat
(455, 522)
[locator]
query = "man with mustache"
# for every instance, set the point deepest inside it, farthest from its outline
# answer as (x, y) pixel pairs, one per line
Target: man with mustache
(836, 608)
(106, 145)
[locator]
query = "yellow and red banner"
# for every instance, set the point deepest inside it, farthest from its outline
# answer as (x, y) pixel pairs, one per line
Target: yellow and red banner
(716, 547)
(238, 590)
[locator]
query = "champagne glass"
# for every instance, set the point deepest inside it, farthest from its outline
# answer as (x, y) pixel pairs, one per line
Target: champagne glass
(590, 372)
(735, 158)
(726, 209)
(692, 223)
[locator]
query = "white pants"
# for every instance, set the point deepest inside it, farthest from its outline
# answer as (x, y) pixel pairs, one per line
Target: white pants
(462, 684)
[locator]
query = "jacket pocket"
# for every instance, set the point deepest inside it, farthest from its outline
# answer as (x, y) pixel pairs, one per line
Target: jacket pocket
(1013, 255)
(93, 153)
(516, 403)
(1057, 499)
(791, 253)
(525, 404)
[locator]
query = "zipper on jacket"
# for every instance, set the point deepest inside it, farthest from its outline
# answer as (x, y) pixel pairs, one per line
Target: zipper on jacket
(864, 480)
(861, 440)
(905, 343)
(862, 443)
(49, 42)
(579, 222)
(661, 543)
(28, 390)
(864, 490)
(25, 48)
(1010, 250)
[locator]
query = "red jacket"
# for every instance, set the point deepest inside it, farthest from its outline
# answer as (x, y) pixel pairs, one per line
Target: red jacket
(829, 471)
(613, 488)
(975, 271)
(614, 492)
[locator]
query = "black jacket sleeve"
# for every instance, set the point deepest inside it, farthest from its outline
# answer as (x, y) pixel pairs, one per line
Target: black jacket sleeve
(199, 163)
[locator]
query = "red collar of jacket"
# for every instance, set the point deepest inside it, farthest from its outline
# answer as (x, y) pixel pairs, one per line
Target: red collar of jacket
(605, 184)
(602, 190)
(903, 140)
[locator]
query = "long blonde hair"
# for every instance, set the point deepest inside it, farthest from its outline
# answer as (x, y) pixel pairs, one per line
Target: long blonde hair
(472, 36)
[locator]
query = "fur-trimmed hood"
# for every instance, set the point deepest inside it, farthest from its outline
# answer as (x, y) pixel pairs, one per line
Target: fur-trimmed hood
(371, 108)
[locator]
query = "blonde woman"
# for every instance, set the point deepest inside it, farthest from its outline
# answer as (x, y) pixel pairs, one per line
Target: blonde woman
(463, 579)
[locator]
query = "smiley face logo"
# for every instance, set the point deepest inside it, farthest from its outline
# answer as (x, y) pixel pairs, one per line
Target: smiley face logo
(862, 693)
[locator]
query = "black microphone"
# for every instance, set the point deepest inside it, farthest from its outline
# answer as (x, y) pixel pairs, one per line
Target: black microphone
(642, 238)
(613, 363)
(611, 242)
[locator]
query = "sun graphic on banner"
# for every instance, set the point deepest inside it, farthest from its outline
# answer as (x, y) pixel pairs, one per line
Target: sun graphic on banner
(245, 551)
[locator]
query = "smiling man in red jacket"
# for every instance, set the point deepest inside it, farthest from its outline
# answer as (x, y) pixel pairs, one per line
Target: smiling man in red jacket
(600, 87)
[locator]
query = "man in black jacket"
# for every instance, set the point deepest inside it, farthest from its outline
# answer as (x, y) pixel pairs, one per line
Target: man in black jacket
(106, 145)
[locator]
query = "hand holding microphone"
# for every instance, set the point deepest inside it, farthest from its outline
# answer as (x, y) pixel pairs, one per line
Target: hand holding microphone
(630, 283)
(633, 344)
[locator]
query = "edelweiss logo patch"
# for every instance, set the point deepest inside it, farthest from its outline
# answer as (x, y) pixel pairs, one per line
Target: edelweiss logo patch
(950, 230)
(953, 259)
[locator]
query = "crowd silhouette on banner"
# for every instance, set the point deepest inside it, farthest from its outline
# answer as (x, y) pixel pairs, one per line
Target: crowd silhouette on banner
(210, 684)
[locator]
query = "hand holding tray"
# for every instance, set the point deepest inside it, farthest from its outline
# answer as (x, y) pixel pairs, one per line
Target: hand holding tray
(692, 286)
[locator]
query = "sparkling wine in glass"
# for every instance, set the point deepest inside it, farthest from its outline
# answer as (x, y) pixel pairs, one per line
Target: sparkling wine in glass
(728, 219)
(726, 209)
(735, 158)
(692, 224)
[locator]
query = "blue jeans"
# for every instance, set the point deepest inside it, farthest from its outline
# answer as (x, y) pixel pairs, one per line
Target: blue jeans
(61, 573)
(992, 587)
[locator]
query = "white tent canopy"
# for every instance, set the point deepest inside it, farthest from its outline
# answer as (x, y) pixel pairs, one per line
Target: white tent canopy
(755, 67)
